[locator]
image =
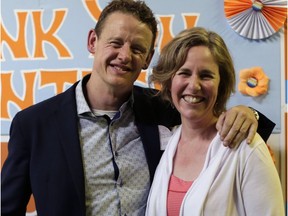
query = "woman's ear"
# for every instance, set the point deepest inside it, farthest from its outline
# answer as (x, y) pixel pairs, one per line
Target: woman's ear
(92, 38)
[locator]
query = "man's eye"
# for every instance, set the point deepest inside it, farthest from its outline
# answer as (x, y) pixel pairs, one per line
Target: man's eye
(115, 43)
(138, 50)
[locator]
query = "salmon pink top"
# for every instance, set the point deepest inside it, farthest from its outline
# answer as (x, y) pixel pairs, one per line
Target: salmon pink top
(176, 192)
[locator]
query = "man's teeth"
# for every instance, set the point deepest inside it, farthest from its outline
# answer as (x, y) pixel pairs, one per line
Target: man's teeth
(120, 68)
(191, 99)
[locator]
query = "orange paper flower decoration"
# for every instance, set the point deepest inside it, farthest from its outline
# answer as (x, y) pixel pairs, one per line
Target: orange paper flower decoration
(253, 82)
(256, 19)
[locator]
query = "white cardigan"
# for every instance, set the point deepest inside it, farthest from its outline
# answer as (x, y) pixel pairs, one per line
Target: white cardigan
(242, 181)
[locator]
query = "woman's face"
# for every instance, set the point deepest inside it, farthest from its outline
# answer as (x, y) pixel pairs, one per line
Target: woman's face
(194, 86)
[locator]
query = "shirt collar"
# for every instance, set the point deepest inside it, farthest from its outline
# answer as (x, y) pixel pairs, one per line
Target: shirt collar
(83, 106)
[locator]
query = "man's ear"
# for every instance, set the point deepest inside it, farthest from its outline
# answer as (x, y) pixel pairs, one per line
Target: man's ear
(148, 59)
(91, 41)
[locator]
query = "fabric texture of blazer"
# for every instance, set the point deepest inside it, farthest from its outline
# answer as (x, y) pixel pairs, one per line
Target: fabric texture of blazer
(44, 154)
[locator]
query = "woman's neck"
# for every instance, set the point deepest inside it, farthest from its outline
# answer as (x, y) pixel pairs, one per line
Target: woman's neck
(205, 130)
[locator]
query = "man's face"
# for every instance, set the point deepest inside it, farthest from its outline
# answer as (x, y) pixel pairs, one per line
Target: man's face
(121, 51)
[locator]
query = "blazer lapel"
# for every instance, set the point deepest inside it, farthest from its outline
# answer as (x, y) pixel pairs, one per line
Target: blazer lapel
(150, 139)
(148, 128)
(67, 123)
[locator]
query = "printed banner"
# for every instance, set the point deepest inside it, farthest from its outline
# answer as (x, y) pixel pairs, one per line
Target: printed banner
(43, 52)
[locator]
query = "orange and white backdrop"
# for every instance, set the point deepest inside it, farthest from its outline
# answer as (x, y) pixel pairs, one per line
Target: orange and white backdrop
(43, 52)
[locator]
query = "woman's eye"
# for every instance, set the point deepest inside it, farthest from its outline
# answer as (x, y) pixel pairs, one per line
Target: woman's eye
(207, 76)
(183, 73)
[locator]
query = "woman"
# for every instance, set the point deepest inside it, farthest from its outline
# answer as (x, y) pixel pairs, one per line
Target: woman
(197, 175)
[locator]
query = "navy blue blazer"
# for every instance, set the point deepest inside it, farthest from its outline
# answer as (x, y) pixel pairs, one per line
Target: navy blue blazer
(44, 155)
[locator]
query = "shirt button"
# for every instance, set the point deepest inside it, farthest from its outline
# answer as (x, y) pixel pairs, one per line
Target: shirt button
(119, 182)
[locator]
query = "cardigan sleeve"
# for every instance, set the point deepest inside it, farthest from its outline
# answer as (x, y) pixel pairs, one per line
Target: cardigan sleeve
(260, 184)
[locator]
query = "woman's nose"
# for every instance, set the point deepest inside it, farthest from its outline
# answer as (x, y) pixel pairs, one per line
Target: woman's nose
(194, 83)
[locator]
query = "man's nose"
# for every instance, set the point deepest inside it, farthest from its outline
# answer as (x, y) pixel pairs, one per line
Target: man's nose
(125, 53)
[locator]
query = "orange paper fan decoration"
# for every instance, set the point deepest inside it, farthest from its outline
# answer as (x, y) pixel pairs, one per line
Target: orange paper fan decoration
(255, 19)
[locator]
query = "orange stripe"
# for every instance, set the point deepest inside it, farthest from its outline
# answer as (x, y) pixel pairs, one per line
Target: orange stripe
(234, 7)
(286, 53)
(286, 114)
(275, 16)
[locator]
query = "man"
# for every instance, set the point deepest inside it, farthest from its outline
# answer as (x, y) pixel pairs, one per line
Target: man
(93, 149)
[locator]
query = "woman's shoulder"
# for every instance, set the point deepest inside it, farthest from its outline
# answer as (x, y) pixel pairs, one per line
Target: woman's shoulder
(256, 150)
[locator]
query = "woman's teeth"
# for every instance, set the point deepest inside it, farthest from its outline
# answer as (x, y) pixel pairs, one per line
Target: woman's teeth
(191, 99)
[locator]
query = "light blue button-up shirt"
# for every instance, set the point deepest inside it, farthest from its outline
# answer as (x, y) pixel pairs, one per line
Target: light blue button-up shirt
(115, 167)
